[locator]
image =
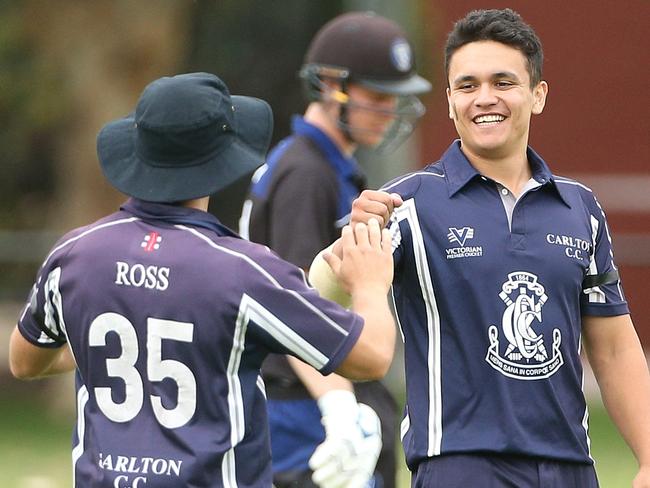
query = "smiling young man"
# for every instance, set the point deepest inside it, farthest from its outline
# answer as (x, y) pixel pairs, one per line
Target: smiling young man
(492, 97)
(502, 269)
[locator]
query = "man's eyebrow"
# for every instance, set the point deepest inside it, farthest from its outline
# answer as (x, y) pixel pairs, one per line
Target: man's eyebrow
(494, 76)
(464, 78)
(505, 74)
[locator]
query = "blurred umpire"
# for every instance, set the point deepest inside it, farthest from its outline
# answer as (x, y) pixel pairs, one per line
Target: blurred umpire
(165, 315)
(360, 79)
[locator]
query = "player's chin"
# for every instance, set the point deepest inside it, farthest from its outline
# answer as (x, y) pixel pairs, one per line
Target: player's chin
(370, 138)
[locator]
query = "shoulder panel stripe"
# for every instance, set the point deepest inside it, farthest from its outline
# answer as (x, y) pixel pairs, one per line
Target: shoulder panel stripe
(265, 273)
(86, 232)
(78, 450)
(585, 417)
(611, 248)
(558, 179)
(408, 177)
(408, 213)
(249, 310)
(235, 399)
(596, 295)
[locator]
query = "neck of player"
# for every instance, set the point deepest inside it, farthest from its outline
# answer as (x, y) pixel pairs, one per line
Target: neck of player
(317, 115)
(511, 170)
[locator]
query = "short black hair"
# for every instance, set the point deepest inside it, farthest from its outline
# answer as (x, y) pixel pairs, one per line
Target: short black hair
(505, 26)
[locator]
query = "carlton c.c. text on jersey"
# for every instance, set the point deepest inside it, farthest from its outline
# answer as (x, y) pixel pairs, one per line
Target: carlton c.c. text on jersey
(489, 297)
(169, 316)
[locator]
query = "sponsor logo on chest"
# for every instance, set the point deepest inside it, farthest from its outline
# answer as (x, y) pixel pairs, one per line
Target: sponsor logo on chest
(460, 236)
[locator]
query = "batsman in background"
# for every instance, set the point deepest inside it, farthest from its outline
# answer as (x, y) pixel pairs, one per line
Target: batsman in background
(360, 78)
(503, 271)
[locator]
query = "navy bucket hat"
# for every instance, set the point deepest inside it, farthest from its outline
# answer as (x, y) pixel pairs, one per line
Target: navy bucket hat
(188, 138)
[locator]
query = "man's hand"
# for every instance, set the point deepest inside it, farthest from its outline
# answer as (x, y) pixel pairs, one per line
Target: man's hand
(367, 261)
(374, 203)
(348, 455)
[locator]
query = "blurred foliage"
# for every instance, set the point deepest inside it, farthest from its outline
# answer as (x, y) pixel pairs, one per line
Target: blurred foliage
(257, 47)
(32, 110)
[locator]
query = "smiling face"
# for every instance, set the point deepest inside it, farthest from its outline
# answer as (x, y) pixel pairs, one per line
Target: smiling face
(491, 100)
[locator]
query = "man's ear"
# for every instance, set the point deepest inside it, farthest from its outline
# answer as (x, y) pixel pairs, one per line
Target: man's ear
(539, 97)
(452, 112)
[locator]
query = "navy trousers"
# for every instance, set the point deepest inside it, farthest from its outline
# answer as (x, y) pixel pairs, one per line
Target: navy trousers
(488, 471)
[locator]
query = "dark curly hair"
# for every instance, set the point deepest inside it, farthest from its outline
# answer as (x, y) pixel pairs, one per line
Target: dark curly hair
(505, 26)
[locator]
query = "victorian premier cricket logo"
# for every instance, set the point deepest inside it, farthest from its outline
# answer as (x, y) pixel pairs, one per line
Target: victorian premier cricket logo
(525, 354)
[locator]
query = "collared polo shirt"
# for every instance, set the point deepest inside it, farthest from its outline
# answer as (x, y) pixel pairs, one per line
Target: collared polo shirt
(490, 309)
(169, 316)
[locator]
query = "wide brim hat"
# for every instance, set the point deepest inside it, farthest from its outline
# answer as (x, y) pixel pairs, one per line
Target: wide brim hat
(188, 138)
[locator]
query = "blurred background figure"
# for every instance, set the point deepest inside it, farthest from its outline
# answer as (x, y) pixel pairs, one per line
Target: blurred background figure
(69, 66)
(359, 76)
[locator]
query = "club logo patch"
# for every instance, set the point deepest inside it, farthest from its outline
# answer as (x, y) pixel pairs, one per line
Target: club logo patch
(523, 354)
(151, 242)
(400, 54)
(460, 236)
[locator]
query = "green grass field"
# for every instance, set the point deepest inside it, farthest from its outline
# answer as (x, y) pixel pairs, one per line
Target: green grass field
(35, 447)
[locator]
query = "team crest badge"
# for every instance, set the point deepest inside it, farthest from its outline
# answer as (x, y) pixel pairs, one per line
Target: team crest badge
(400, 54)
(524, 353)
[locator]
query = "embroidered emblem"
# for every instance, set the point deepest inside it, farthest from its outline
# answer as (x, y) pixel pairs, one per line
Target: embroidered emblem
(525, 356)
(151, 242)
(460, 236)
(400, 54)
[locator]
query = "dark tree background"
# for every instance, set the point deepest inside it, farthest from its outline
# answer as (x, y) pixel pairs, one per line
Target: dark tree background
(256, 50)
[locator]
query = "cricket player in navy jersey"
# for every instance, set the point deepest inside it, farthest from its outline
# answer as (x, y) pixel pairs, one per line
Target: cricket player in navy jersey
(166, 315)
(502, 270)
(360, 79)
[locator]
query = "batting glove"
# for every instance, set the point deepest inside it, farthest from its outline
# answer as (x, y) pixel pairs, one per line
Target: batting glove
(348, 455)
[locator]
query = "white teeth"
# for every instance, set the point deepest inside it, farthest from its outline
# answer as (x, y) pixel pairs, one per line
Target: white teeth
(486, 119)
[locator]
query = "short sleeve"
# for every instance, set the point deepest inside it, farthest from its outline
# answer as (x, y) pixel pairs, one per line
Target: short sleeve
(289, 317)
(602, 293)
(42, 322)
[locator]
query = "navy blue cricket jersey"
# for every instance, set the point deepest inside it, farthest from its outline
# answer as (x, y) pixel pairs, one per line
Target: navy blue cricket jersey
(169, 316)
(490, 309)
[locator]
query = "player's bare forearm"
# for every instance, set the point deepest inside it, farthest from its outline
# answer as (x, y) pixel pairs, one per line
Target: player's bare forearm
(366, 273)
(620, 367)
(27, 361)
(373, 352)
(317, 384)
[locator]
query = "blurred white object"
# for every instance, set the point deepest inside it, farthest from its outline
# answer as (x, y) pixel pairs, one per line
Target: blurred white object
(324, 280)
(348, 455)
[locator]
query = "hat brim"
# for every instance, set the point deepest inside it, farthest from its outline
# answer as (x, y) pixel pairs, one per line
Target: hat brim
(253, 121)
(413, 85)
